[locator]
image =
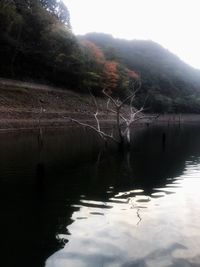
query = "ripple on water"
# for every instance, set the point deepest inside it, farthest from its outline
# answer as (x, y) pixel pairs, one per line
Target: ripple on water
(155, 226)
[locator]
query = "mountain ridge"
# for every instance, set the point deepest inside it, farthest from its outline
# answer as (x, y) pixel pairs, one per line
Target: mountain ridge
(162, 73)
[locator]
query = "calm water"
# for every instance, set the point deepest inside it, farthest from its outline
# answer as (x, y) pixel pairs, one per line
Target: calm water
(69, 205)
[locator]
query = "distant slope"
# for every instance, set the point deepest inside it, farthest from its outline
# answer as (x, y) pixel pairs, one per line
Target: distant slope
(26, 105)
(171, 84)
(37, 44)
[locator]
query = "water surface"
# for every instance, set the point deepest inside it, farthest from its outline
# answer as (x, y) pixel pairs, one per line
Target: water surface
(72, 204)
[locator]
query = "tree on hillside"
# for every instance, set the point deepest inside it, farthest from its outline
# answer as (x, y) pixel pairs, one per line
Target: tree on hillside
(63, 14)
(93, 59)
(103, 73)
(110, 76)
(94, 51)
(37, 43)
(165, 78)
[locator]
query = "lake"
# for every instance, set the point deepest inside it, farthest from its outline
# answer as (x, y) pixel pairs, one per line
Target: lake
(69, 203)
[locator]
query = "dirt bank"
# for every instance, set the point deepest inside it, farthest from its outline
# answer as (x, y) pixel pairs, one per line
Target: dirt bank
(24, 105)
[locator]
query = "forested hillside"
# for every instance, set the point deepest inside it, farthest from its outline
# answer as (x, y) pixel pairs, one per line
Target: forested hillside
(37, 44)
(170, 84)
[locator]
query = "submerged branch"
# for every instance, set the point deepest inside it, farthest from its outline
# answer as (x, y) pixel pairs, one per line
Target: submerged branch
(103, 135)
(123, 122)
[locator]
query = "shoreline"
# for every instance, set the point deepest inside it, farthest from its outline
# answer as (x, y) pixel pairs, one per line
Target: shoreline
(26, 106)
(32, 125)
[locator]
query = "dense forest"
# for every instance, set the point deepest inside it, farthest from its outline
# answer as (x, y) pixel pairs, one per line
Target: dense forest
(37, 44)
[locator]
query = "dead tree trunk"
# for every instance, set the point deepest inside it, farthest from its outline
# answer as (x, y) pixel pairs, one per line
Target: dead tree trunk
(123, 123)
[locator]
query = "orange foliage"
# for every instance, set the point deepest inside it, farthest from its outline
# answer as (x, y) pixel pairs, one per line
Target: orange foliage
(110, 73)
(95, 51)
(111, 76)
(132, 74)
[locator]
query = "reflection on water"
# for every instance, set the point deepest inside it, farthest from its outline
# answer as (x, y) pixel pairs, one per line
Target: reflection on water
(136, 229)
(73, 206)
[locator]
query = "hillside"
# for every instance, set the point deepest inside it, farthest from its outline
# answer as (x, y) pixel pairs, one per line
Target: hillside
(171, 84)
(26, 105)
(37, 45)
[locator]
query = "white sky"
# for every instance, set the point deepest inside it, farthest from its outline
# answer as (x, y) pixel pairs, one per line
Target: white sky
(175, 24)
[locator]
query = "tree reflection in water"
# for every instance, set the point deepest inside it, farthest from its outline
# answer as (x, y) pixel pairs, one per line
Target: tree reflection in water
(118, 201)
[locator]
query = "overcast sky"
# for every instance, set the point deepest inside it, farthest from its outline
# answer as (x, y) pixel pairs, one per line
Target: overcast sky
(175, 24)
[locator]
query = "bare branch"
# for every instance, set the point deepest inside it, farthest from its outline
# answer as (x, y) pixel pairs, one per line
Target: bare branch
(111, 98)
(123, 122)
(97, 120)
(97, 111)
(127, 98)
(145, 117)
(108, 108)
(114, 111)
(146, 98)
(131, 104)
(103, 135)
(131, 96)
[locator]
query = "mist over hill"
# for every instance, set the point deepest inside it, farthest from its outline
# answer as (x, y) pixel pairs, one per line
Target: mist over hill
(171, 84)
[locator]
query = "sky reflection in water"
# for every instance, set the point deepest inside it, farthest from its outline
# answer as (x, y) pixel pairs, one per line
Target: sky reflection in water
(138, 227)
(69, 206)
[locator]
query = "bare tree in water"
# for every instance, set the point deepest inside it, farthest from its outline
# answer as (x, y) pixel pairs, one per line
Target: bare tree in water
(124, 120)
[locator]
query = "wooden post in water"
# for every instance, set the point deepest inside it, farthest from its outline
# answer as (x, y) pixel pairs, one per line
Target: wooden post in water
(163, 141)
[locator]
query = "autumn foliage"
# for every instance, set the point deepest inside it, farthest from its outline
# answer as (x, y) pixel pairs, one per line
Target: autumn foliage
(132, 74)
(108, 71)
(110, 76)
(94, 51)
